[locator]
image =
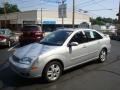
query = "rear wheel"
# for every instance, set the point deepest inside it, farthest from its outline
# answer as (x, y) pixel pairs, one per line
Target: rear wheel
(102, 56)
(52, 71)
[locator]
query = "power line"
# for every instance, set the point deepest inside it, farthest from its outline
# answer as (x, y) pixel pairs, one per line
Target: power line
(38, 4)
(94, 10)
(84, 3)
(93, 3)
(100, 5)
(90, 13)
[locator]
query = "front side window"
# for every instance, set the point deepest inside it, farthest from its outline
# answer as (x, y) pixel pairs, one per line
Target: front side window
(56, 38)
(79, 38)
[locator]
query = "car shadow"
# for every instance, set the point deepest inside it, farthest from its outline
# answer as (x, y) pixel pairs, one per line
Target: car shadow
(3, 47)
(11, 79)
(82, 66)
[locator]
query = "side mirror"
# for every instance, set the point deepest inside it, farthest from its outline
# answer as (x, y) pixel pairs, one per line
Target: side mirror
(73, 44)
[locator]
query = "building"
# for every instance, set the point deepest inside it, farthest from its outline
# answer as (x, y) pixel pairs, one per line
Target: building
(108, 29)
(118, 25)
(49, 20)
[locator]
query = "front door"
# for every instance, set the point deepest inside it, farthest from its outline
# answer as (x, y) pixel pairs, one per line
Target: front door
(78, 53)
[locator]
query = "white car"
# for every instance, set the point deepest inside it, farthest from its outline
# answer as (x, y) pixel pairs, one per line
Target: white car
(59, 51)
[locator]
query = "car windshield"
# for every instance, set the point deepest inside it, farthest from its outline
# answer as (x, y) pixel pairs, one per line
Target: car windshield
(5, 32)
(57, 38)
(2, 32)
(30, 28)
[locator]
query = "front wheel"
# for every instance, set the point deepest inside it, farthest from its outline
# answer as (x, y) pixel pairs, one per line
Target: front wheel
(52, 71)
(102, 56)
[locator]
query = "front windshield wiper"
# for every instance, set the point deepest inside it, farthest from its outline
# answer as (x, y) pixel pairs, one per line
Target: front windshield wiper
(44, 43)
(48, 43)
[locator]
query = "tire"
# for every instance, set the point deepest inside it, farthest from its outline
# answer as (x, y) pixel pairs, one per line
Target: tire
(52, 71)
(102, 56)
(21, 44)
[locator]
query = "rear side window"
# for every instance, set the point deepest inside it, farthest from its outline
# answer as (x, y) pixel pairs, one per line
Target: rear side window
(96, 35)
(89, 35)
(92, 35)
(31, 28)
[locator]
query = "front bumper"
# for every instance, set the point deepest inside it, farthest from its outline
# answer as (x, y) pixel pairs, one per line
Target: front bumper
(24, 72)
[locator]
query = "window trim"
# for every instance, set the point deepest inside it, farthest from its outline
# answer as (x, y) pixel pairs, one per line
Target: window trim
(99, 35)
(74, 35)
(93, 34)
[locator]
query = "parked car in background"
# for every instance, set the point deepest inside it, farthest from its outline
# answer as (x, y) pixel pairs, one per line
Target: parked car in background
(59, 51)
(7, 37)
(30, 34)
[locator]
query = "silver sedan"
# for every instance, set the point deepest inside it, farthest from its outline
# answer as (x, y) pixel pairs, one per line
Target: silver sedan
(59, 51)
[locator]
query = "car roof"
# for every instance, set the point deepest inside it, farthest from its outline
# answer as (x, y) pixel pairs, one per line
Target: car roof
(76, 29)
(31, 25)
(4, 29)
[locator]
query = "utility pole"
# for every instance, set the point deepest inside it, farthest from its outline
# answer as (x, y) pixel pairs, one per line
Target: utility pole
(73, 15)
(17, 20)
(62, 14)
(41, 18)
(5, 13)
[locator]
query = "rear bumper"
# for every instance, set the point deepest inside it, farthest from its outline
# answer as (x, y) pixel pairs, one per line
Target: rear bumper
(29, 40)
(3, 43)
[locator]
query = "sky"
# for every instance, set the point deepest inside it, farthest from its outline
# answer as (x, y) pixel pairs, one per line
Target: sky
(95, 8)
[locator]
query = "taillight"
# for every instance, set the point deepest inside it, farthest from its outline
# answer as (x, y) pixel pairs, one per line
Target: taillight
(38, 33)
(2, 38)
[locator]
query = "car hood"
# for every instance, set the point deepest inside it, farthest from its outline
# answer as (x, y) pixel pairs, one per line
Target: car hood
(33, 50)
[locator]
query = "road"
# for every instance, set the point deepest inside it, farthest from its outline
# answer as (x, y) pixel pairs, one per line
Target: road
(90, 76)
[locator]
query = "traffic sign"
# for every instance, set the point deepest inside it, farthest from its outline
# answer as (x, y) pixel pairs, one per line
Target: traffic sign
(62, 10)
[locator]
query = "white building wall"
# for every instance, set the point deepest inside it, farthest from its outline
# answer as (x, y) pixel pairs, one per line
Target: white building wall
(35, 15)
(19, 17)
(52, 15)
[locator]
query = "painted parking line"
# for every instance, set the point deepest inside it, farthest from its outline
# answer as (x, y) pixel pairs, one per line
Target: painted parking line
(13, 47)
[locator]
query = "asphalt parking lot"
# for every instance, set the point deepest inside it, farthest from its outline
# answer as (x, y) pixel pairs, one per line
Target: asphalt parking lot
(90, 76)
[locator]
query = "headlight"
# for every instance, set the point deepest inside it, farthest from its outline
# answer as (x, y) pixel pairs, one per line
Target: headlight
(25, 60)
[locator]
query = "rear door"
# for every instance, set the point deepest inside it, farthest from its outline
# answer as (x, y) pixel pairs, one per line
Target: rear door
(93, 44)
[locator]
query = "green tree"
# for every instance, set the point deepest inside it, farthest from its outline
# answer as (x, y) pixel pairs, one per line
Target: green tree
(97, 21)
(10, 8)
(103, 21)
